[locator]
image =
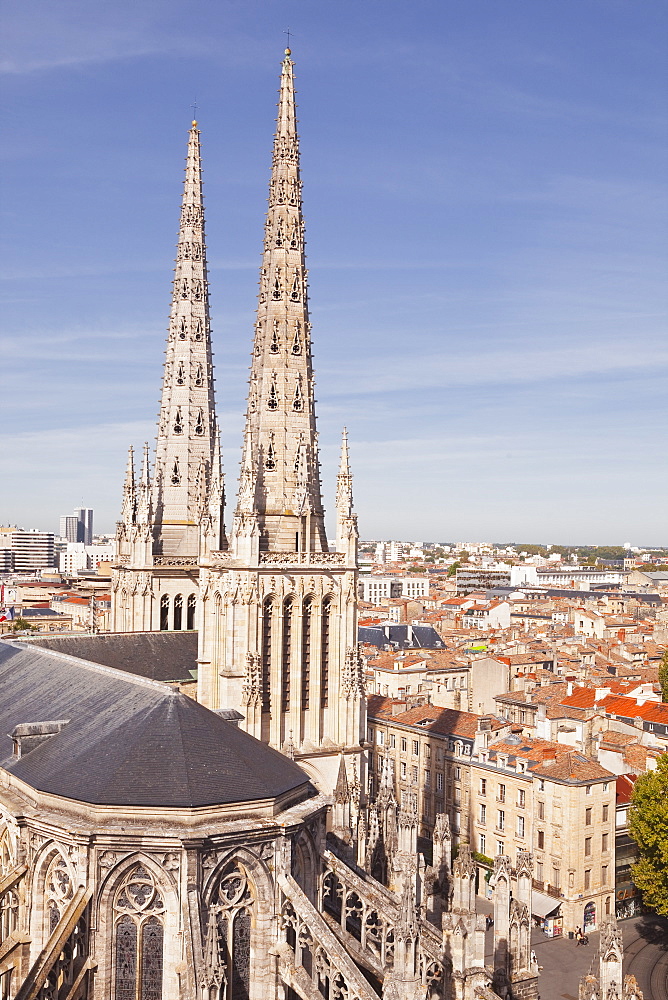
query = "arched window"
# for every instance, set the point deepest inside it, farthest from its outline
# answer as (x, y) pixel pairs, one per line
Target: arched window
(267, 616)
(178, 612)
(9, 903)
(6, 853)
(230, 921)
(287, 654)
(164, 613)
(138, 937)
(58, 891)
(9, 914)
(307, 613)
(325, 652)
(190, 613)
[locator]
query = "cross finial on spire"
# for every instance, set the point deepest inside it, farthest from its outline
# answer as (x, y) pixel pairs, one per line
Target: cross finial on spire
(288, 33)
(194, 107)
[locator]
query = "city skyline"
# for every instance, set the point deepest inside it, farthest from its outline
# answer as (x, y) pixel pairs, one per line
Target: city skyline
(484, 278)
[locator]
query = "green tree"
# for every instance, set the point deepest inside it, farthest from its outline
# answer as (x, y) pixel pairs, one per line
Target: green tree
(22, 625)
(663, 676)
(648, 826)
(453, 569)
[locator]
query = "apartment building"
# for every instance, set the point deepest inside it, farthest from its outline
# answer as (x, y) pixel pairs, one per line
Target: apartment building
(376, 589)
(503, 792)
(535, 795)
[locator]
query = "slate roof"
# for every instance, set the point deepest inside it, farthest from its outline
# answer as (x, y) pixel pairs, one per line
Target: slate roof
(421, 636)
(161, 656)
(129, 741)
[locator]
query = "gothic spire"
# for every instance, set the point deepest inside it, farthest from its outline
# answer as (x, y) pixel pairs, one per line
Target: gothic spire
(187, 430)
(129, 508)
(280, 439)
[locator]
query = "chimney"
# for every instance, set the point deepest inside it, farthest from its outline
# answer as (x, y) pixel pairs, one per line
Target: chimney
(28, 736)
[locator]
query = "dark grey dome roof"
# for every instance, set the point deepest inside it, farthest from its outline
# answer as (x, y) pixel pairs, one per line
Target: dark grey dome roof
(129, 741)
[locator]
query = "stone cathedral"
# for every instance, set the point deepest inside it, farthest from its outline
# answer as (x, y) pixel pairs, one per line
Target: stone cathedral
(158, 847)
(275, 609)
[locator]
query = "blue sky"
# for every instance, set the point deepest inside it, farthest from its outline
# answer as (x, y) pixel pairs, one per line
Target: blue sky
(484, 192)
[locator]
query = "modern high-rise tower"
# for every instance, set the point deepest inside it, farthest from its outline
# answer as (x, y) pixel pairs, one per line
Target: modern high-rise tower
(174, 512)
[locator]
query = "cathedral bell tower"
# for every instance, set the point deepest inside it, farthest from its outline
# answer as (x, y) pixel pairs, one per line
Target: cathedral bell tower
(173, 515)
(278, 634)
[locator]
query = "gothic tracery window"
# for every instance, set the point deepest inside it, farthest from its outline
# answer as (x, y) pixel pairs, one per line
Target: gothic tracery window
(183, 328)
(180, 374)
(6, 852)
(178, 421)
(325, 652)
(138, 937)
(164, 613)
(190, 613)
(297, 342)
(267, 621)
(287, 656)
(178, 612)
(9, 903)
(199, 423)
(58, 891)
(295, 291)
(232, 903)
(275, 346)
(307, 612)
(176, 473)
(270, 460)
(272, 402)
(199, 330)
(298, 400)
(199, 376)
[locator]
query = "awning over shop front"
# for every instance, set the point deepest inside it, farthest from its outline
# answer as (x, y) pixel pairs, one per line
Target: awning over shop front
(542, 905)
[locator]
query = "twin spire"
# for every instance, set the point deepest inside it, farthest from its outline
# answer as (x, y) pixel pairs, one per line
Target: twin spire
(279, 498)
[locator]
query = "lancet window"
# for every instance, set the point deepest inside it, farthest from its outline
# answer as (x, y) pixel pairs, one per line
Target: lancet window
(9, 903)
(164, 613)
(294, 236)
(6, 852)
(184, 288)
(199, 423)
(180, 374)
(232, 904)
(287, 655)
(176, 473)
(325, 652)
(298, 399)
(178, 421)
(197, 291)
(178, 612)
(199, 376)
(58, 891)
(199, 330)
(295, 293)
(272, 402)
(297, 342)
(267, 622)
(307, 620)
(190, 612)
(277, 289)
(138, 937)
(183, 328)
